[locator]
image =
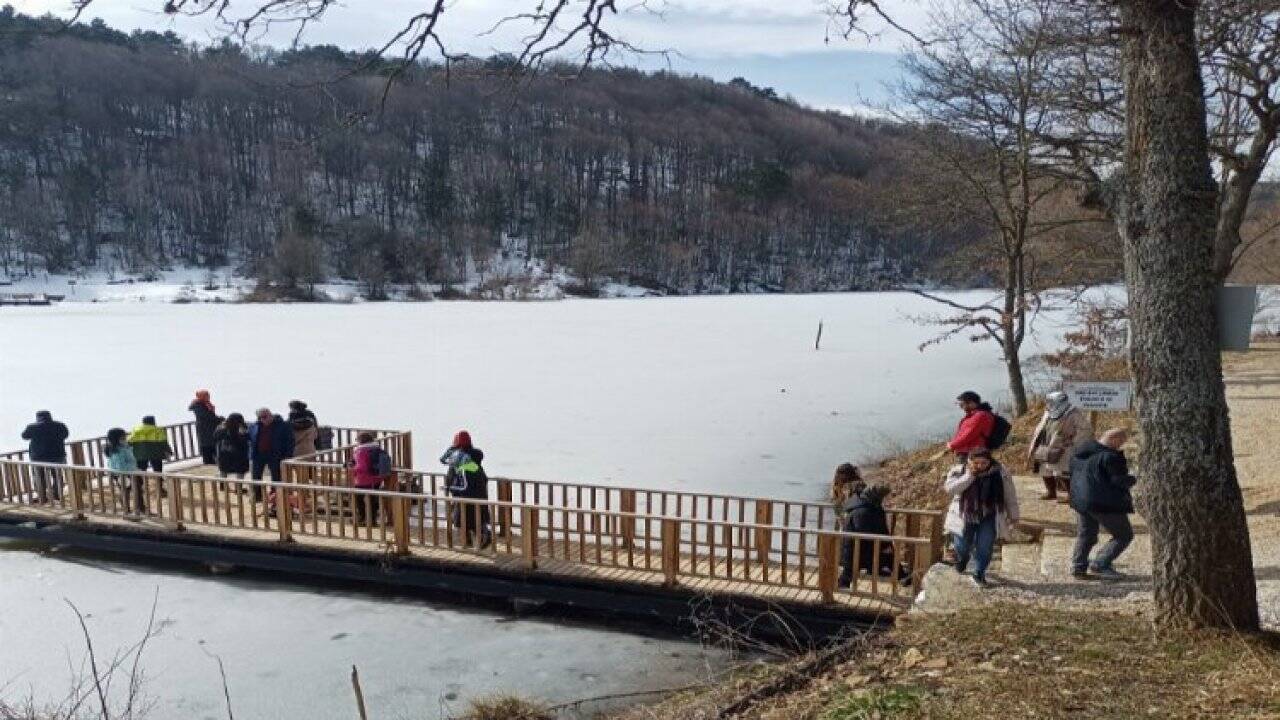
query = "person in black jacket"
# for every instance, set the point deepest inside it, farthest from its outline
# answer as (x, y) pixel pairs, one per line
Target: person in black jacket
(864, 513)
(466, 479)
(231, 440)
(47, 443)
(1100, 484)
(207, 421)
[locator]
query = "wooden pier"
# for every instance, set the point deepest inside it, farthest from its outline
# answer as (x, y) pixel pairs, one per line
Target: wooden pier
(630, 550)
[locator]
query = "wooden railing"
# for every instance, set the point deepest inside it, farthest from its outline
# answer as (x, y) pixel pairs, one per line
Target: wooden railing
(655, 548)
(692, 506)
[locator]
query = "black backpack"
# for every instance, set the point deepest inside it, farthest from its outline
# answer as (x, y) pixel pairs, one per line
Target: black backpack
(999, 433)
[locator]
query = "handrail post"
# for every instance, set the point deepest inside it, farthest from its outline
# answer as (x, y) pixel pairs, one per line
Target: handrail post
(400, 521)
(627, 524)
(920, 568)
(504, 511)
(764, 536)
(284, 519)
(935, 538)
(406, 441)
(913, 530)
(175, 503)
(670, 551)
(74, 480)
(529, 536)
(828, 566)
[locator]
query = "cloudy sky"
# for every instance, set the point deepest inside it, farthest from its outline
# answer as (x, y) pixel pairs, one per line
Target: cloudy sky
(789, 45)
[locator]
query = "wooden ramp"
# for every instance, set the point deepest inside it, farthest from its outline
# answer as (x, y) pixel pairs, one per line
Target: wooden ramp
(634, 543)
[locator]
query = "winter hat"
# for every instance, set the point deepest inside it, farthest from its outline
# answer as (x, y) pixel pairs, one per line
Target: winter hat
(1058, 403)
(148, 419)
(43, 415)
(462, 440)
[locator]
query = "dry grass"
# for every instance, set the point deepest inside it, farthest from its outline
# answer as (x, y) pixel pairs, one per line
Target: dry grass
(506, 707)
(1019, 661)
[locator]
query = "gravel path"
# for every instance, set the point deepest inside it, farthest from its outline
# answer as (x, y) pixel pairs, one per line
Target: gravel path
(1040, 572)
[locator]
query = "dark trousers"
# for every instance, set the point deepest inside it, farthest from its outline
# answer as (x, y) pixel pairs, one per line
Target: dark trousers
(866, 559)
(258, 466)
(208, 454)
(1087, 523)
(477, 518)
(156, 465)
(133, 492)
(372, 503)
(48, 484)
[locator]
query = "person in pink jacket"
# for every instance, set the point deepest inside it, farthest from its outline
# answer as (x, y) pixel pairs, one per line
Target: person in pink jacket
(368, 472)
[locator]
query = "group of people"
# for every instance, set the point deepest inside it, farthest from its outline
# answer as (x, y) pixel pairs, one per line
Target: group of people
(257, 449)
(1092, 475)
(235, 446)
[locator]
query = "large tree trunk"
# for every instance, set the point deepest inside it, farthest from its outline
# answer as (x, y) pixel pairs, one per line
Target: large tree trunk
(1202, 564)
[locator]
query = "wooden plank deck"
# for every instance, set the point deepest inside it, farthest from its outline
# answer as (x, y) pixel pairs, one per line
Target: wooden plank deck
(566, 553)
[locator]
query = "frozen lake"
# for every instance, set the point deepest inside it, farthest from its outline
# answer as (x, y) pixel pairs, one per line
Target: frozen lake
(715, 393)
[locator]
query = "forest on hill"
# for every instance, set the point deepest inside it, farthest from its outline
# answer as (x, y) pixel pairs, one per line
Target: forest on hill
(137, 152)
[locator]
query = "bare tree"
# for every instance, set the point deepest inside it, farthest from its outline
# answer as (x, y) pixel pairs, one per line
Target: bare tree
(981, 80)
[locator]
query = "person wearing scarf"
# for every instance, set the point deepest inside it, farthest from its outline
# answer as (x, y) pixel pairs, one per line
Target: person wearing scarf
(984, 505)
(1063, 430)
(207, 422)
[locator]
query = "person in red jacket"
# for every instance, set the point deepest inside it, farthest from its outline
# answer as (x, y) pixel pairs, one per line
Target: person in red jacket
(975, 427)
(365, 475)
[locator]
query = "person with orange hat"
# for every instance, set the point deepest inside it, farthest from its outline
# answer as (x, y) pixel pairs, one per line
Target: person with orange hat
(207, 421)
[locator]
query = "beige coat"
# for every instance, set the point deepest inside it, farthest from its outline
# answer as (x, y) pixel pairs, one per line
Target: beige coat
(958, 480)
(1073, 432)
(304, 441)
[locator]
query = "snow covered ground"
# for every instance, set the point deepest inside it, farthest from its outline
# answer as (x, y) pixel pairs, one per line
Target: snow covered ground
(711, 393)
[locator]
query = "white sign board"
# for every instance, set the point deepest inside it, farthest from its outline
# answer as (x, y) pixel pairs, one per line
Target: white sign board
(1100, 395)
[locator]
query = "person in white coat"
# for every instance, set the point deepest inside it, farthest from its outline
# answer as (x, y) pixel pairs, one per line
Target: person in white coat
(984, 506)
(1063, 431)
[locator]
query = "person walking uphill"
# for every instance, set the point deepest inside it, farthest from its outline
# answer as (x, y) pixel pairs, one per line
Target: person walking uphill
(976, 427)
(207, 421)
(270, 443)
(984, 505)
(151, 447)
(46, 443)
(466, 479)
(1100, 495)
(1063, 430)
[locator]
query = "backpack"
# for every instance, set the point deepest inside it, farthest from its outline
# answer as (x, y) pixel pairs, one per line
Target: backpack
(324, 439)
(381, 463)
(999, 433)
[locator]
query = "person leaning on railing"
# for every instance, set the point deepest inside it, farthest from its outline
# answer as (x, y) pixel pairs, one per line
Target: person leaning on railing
(370, 467)
(46, 443)
(466, 479)
(864, 513)
(151, 447)
(124, 466)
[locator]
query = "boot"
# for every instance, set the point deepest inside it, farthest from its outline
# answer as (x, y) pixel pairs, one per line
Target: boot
(1050, 489)
(1064, 485)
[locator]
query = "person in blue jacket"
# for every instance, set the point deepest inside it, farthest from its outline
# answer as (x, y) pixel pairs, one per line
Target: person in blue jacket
(270, 443)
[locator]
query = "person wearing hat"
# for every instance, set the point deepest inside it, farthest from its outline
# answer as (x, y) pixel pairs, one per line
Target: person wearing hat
(466, 479)
(975, 427)
(46, 443)
(207, 421)
(305, 428)
(1063, 430)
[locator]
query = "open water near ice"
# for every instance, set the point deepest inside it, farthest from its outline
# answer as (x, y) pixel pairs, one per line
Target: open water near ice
(716, 393)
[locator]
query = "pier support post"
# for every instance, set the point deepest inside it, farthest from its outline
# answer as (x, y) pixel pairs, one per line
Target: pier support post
(529, 537)
(828, 566)
(670, 551)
